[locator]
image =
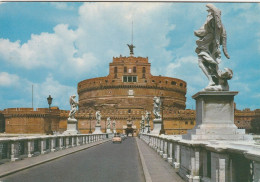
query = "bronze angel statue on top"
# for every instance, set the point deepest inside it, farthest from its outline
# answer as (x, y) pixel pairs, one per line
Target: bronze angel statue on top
(211, 36)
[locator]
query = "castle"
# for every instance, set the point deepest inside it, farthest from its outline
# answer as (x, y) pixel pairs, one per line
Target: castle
(124, 96)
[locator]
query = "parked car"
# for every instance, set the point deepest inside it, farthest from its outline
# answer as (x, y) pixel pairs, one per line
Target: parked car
(117, 138)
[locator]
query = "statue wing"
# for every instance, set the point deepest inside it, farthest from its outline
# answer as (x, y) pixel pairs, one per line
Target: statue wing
(224, 42)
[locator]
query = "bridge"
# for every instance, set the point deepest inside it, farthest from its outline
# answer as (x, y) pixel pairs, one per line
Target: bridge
(93, 157)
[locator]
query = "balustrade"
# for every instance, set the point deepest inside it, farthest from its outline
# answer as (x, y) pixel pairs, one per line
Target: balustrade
(12, 149)
(204, 161)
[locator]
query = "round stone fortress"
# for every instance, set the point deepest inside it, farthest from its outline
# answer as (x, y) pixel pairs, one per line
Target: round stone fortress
(127, 92)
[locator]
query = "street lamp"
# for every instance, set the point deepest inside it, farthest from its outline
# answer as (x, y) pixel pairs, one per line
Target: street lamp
(49, 99)
(105, 126)
(90, 131)
(148, 122)
(162, 131)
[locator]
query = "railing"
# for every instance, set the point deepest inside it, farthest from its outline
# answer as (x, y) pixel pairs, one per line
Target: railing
(14, 148)
(225, 161)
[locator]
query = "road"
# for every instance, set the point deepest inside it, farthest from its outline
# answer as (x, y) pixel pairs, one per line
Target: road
(107, 162)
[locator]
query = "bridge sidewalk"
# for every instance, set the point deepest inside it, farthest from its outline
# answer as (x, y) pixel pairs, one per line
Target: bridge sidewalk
(155, 168)
(12, 167)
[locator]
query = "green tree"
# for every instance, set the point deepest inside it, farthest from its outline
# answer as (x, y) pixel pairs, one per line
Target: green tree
(255, 124)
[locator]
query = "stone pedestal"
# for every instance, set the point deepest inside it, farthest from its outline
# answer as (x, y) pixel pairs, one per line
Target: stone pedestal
(147, 128)
(109, 131)
(157, 125)
(98, 130)
(215, 117)
(72, 127)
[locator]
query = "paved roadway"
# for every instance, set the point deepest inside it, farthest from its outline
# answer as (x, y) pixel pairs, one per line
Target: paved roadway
(107, 162)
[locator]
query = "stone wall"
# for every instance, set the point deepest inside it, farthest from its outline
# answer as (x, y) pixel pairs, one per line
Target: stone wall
(25, 120)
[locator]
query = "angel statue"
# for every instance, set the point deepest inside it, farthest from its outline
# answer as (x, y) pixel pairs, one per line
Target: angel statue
(108, 122)
(73, 107)
(142, 121)
(131, 48)
(114, 124)
(211, 36)
(98, 117)
(157, 107)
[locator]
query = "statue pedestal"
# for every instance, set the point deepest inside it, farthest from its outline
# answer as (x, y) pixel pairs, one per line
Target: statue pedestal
(215, 117)
(98, 129)
(72, 127)
(109, 131)
(147, 128)
(157, 125)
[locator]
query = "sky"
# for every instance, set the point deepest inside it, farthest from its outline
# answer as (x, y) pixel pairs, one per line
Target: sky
(55, 45)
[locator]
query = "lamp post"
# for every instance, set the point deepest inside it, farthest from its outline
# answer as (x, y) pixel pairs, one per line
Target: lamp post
(49, 99)
(148, 122)
(162, 131)
(90, 131)
(179, 127)
(105, 126)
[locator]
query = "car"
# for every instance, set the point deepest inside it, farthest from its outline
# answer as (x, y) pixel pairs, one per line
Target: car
(117, 138)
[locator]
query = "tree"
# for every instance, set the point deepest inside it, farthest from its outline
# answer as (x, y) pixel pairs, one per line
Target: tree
(255, 125)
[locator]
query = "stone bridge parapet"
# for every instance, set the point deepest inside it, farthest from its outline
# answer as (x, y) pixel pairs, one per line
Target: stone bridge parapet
(208, 161)
(16, 148)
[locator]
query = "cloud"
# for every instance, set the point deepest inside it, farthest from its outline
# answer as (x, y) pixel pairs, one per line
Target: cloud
(58, 91)
(162, 31)
(62, 6)
(7, 80)
(11, 83)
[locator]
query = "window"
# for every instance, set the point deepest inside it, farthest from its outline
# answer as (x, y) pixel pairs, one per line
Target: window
(144, 70)
(129, 78)
(115, 69)
(192, 123)
(173, 83)
(134, 69)
(115, 76)
(125, 69)
(143, 75)
(186, 122)
(181, 84)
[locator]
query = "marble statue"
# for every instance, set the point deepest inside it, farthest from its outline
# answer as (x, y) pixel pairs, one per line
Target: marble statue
(142, 122)
(147, 118)
(156, 107)
(143, 119)
(108, 122)
(98, 117)
(211, 36)
(114, 124)
(73, 107)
